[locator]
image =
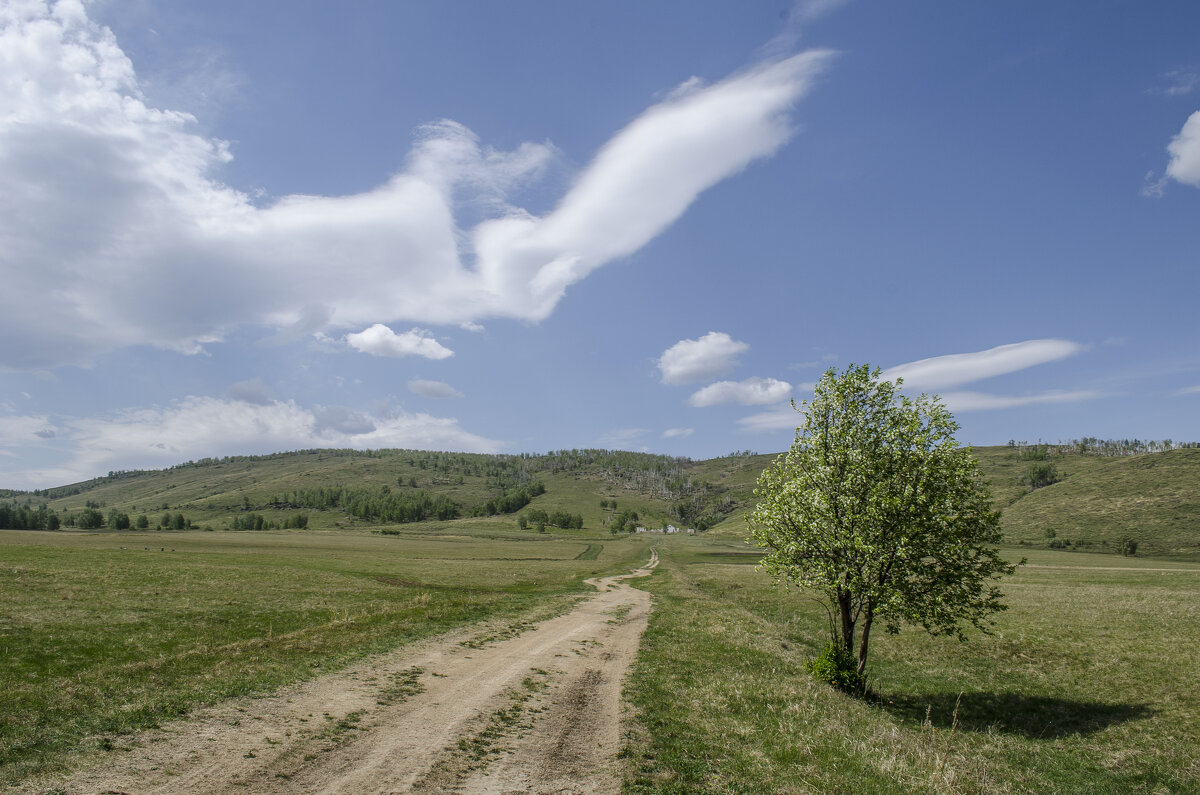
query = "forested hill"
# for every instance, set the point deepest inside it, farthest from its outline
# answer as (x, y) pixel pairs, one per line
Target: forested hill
(1091, 494)
(345, 488)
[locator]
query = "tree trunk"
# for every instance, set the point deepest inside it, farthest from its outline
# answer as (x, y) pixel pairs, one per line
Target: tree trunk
(844, 605)
(866, 637)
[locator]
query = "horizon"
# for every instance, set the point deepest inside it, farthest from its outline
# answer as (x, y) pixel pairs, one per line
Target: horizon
(235, 231)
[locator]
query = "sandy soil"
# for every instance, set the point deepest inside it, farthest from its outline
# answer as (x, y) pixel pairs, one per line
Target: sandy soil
(511, 709)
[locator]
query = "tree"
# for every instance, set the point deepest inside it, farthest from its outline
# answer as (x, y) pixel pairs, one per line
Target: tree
(877, 508)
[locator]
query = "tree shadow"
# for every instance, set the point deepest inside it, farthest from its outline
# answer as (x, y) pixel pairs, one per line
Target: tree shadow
(1035, 717)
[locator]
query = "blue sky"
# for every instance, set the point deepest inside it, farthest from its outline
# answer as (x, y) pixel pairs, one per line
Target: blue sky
(232, 228)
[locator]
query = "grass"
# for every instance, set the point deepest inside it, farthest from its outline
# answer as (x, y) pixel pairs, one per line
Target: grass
(1155, 498)
(102, 634)
(1087, 686)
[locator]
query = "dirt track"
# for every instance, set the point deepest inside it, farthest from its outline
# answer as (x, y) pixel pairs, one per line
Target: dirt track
(537, 711)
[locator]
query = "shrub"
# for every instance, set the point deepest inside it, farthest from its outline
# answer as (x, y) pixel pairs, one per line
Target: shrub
(837, 666)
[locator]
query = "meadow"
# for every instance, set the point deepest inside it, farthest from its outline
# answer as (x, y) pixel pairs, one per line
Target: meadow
(104, 634)
(1087, 685)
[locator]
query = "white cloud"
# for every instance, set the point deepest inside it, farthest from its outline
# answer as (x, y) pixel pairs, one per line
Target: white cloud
(1185, 153)
(379, 340)
(979, 401)
(1188, 390)
(677, 433)
(961, 368)
(751, 392)
(696, 360)
(1177, 82)
(116, 209)
(433, 389)
(199, 427)
(19, 430)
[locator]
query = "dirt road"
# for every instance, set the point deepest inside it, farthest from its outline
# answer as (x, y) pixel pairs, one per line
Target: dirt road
(503, 709)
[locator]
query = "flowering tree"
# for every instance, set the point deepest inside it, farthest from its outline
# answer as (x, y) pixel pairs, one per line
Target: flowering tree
(876, 507)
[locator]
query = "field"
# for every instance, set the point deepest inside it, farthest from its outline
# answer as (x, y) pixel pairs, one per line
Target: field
(1086, 686)
(102, 634)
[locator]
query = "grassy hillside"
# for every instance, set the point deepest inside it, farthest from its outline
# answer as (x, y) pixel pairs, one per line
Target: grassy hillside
(1096, 502)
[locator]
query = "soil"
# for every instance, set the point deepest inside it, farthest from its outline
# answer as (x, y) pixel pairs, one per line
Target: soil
(515, 708)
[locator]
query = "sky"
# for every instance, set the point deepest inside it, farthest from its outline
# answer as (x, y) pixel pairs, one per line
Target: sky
(231, 228)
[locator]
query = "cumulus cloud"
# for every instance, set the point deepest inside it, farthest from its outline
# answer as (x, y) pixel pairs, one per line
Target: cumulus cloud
(433, 389)
(961, 368)
(115, 211)
(677, 433)
(688, 361)
(199, 427)
(379, 340)
(751, 392)
(1184, 150)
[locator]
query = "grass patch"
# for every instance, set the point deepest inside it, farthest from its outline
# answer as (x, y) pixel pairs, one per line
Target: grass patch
(1087, 686)
(101, 637)
(591, 553)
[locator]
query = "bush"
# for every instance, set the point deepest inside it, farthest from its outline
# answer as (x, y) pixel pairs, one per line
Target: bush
(838, 667)
(1128, 547)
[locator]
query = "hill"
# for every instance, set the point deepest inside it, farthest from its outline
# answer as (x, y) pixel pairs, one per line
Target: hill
(1065, 496)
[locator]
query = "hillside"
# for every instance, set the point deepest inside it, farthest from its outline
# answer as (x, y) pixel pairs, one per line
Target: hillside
(1095, 501)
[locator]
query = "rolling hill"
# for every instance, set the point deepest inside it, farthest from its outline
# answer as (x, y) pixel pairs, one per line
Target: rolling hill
(1093, 503)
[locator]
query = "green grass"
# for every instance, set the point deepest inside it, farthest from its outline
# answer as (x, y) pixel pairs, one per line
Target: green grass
(1154, 498)
(101, 637)
(1087, 686)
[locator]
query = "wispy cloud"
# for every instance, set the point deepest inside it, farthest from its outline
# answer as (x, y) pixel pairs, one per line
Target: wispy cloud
(979, 401)
(137, 187)
(961, 368)
(776, 419)
(254, 392)
(198, 427)
(379, 340)
(433, 389)
(688, 361)
(751, 392)
(1177, 82)
(1187, 390)
(624, 438)
(677, 433)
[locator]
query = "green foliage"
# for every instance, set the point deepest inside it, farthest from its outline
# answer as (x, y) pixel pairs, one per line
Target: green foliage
(836, 665)
(512, 500)
(373, 503)
(879, 510)
(26, 517)
(117, 520)
(89, 519)
(561, 519)
(624, 522)
(1128, 547)
(1040, 474)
